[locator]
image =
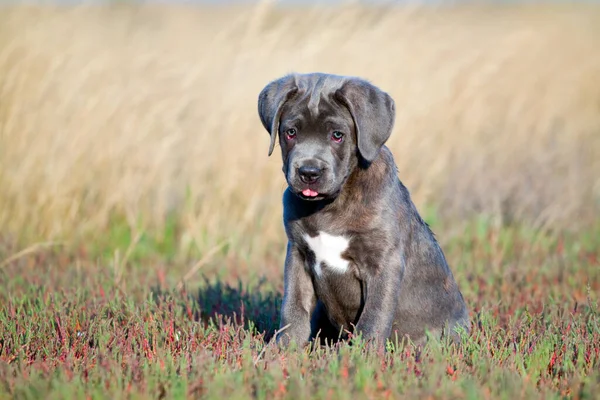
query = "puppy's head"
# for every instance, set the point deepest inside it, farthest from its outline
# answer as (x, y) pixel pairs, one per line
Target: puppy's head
(326, 125)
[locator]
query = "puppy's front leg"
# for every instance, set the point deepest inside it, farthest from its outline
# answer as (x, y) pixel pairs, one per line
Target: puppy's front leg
(299, 300)
(381, 299)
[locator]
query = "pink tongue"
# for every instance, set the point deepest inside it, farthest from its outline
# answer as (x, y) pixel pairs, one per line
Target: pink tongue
(309, 193)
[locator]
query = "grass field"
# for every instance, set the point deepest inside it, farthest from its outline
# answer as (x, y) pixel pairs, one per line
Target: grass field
(141, 243)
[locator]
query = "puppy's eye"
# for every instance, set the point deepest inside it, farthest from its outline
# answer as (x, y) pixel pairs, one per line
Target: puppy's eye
(337, 136)
(290, 134)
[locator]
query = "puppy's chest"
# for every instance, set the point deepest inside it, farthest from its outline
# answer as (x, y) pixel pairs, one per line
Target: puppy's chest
(327, 253)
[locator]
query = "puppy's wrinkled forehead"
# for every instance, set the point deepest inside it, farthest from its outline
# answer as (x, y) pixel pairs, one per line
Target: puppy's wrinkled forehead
(316, 87)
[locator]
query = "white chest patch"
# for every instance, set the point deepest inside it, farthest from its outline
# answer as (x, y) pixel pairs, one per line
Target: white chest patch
(328, 249)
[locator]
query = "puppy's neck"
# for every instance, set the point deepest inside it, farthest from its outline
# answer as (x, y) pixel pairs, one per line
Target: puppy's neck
(366, 182)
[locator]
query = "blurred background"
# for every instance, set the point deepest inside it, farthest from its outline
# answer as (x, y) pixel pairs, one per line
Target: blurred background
(128, 128)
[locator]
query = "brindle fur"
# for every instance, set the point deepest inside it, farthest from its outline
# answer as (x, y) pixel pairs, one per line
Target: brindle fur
(399, 284)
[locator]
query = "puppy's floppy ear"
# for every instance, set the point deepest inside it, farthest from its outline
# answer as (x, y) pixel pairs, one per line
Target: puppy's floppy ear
(270, 104)
(373, 112)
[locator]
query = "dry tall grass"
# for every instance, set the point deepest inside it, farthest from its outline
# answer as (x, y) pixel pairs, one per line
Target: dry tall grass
(150, 110)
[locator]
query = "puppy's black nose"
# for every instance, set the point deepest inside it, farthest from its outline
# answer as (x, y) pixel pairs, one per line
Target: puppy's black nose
(309, 174)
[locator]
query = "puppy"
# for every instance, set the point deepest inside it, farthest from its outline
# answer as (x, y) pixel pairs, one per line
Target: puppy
(359, 257)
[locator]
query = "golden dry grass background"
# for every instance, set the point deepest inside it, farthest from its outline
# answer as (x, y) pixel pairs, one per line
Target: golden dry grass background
(147, 111)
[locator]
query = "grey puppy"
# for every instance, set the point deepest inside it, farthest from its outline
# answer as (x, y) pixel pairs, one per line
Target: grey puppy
(359, 257)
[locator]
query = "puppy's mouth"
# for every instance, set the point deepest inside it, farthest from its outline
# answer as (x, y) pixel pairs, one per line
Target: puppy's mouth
(309, 193)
